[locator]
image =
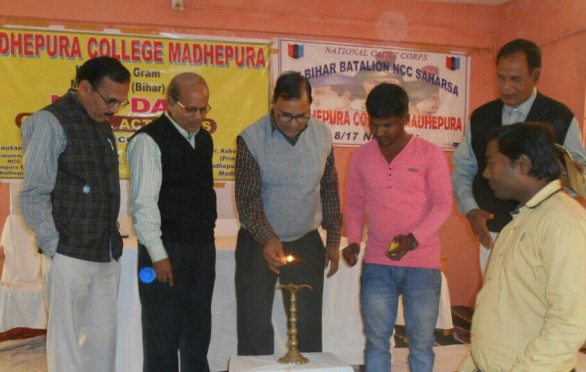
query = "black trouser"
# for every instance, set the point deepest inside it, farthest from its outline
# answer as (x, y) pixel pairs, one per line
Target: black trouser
(255, 290)
(179, 317)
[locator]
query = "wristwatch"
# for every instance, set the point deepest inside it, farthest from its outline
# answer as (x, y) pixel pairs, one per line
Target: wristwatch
(414, 242)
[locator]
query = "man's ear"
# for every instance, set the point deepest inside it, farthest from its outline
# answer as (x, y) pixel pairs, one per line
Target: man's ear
(84, 87)
(524, 164)
(535, 74)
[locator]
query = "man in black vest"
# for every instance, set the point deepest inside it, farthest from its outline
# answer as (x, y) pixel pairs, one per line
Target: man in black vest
(71, 199)
(173, 206)
(518, 69)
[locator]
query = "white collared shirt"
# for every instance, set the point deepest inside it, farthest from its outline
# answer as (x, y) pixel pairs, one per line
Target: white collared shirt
(146, 176)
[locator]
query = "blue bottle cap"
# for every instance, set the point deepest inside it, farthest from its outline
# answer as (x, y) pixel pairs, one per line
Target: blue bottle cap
(147, 275)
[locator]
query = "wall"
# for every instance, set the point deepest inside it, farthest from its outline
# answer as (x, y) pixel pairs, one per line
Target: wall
(559, 28)
(473, 29)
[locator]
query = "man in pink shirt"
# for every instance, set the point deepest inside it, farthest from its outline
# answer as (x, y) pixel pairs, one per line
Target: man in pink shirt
(400, 184)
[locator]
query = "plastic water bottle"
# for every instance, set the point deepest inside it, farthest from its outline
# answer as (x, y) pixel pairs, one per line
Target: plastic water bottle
(147, 275)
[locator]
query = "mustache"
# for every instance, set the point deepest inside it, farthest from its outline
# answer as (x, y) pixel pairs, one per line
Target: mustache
(109, 114)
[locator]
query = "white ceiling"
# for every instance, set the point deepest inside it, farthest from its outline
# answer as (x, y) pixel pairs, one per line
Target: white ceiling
(486, 2)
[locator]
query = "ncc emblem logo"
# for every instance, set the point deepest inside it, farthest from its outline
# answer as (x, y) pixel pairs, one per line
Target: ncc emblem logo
(453, 63)
(295, 51)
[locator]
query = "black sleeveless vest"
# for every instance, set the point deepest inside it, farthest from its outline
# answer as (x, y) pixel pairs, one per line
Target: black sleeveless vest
(187, 200)
(489, 117)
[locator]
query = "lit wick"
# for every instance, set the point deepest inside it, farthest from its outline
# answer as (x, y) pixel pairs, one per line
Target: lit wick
(290, 258)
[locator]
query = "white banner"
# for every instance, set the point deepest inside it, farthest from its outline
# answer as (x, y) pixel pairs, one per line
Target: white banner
(341, 76)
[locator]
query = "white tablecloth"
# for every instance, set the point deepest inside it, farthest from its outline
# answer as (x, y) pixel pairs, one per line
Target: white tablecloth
(318, 362)
(342, 325)
(21, 284)
(23, 264)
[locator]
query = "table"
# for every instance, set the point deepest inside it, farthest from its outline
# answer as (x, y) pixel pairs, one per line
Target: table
(326, 362)
(342, 325)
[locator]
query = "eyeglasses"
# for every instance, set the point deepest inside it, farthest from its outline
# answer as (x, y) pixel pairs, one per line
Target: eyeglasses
(193, 110)
(111, 101)
(300, 119)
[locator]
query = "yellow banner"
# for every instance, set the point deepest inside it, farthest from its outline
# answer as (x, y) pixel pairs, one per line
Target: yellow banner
(38, 66)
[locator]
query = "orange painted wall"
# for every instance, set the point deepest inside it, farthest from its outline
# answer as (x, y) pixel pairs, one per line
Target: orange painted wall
(474, 29)
(559, 28)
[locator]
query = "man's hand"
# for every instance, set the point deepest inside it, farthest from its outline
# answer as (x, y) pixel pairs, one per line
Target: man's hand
(164, 271)
(332, 259)
(404, 242)
(478, 219)
(350, 254)
(273, 254)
